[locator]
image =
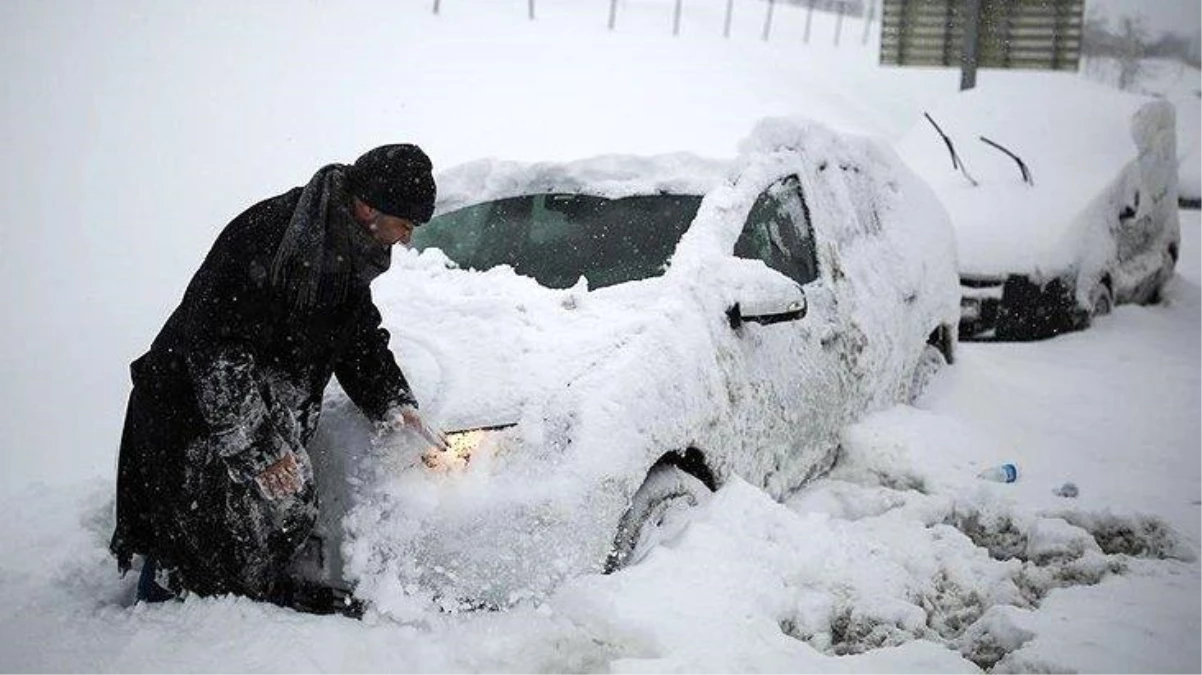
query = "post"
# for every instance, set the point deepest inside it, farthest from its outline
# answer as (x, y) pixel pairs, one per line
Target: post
(613, 13)
(531, 5)
(838, 23)
(969, 52)
(949, 15)
(869, 15)
(435, 6)
(730, 8)
(1057, 32)
(809, 19)
(676, 18)
(768, 19)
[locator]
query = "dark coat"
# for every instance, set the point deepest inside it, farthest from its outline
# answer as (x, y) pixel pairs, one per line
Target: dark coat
(234, 381)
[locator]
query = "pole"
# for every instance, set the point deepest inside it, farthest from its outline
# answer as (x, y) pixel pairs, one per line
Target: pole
(435, 6)
(613, 13)
(972, 44)
(730, 9)
(531, 10)
(768, 19)
(838, 23)
(676, 18)
(869, 15)
(809, 19)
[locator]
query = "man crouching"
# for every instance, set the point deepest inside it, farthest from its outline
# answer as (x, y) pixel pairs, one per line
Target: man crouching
(214, 485)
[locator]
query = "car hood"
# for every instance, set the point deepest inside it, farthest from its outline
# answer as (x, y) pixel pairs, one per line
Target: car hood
(483, 349)
(479, 347)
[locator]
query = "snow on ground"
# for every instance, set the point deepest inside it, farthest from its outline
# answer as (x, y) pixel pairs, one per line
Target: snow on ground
(132, 140)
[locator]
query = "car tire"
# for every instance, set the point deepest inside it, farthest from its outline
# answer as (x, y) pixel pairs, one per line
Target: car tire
(659, 511)
(1167, 270)
(930, 362)
(1101, 300)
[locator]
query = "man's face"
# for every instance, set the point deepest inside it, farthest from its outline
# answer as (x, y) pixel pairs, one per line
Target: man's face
(389, 230)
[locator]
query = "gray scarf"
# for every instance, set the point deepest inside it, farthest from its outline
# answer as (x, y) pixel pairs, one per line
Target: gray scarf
(325, 250)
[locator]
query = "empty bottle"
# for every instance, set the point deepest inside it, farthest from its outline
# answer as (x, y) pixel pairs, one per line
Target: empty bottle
(1002, 473)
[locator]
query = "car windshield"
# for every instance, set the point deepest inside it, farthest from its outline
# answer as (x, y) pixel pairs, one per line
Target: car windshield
(558, 238)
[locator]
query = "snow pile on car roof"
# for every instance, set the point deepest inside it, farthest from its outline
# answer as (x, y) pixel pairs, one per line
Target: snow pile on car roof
(1083, 145)
(610, 176)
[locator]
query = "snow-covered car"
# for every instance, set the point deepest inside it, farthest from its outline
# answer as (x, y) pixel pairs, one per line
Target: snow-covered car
(609, 340)
(1063, 196)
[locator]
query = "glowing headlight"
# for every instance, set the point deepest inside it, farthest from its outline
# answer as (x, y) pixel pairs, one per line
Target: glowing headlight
(461, 445)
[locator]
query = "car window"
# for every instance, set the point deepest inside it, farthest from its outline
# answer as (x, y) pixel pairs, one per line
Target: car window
(557, 238)
(778, 232)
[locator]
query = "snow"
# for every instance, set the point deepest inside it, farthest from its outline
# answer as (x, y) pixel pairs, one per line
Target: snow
(612, 176)
(1189, 151)
(1179, 84)
(133, 135)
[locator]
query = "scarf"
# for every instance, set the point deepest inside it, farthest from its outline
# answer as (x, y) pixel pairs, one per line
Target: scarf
(325, 251)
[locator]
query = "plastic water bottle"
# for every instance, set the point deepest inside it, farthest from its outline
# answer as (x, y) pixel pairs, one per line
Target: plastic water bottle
(1002, 473)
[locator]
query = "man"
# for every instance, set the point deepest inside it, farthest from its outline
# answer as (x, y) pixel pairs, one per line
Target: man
(214, 486)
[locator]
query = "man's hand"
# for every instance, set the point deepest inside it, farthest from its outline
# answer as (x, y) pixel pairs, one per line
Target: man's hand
(413, 421)
(282, 479)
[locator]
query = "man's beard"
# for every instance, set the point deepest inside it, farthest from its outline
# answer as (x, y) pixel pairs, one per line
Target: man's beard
(369, 257)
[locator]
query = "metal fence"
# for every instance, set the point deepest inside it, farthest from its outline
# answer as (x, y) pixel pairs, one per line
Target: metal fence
(1033, 34)
(865, 10)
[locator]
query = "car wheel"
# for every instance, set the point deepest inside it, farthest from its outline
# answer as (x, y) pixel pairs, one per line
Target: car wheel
(930, 362)
(1101, 299)
(659, 511)
(1166, 273)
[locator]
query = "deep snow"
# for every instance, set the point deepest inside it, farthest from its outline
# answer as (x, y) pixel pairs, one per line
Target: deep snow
(132, 138)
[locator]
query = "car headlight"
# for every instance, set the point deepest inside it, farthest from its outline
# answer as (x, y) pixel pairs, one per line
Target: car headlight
(461, 447)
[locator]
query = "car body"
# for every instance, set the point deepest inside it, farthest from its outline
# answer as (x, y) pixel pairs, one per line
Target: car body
(1095, 226)
(691, 356)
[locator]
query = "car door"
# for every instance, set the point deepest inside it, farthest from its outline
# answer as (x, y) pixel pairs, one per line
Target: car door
(794, 380)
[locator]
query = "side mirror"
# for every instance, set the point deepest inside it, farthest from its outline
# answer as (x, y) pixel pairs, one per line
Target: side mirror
(752, 291)
(787, 306)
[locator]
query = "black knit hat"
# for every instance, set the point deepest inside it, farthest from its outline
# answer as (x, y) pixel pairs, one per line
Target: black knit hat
(397, 180)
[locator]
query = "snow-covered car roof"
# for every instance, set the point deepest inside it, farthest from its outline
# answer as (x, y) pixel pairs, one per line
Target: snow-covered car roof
(1078, 140)
(610, 176)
